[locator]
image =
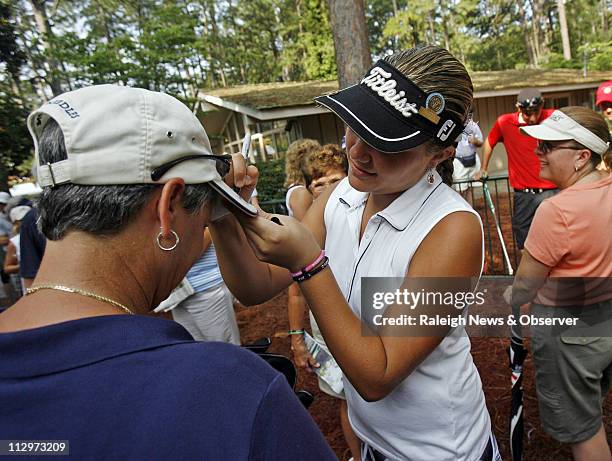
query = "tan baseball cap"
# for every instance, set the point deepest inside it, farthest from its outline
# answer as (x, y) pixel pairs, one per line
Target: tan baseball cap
(122, 135)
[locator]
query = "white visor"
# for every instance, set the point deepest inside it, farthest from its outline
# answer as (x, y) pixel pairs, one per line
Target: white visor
(559, 127)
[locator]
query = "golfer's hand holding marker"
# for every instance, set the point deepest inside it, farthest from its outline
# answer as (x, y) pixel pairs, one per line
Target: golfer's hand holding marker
(276, 239)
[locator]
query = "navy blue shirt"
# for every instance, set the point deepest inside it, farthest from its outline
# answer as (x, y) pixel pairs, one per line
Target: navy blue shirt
(32, 245)
(135, 387)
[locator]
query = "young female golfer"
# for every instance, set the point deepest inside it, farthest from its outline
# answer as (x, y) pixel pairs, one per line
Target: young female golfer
(409, 397)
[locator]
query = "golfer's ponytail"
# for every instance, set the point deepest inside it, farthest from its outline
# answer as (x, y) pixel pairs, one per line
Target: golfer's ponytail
(445, 169)
(434, 69)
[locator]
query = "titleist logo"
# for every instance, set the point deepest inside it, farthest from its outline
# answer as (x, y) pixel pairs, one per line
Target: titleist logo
(381, 83)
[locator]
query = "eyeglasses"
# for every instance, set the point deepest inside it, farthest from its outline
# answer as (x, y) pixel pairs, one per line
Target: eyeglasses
(223, 164)
(546, 147)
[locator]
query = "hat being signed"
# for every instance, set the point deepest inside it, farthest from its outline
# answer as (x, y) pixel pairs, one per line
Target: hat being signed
(120, 135)
(560, 127)
(391, 113)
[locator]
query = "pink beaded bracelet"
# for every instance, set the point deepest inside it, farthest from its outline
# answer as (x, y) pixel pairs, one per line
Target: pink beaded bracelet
(310, 266)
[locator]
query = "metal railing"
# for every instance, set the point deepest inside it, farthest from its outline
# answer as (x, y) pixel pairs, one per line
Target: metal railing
(276, 206)
(472, 191)
(502, 200)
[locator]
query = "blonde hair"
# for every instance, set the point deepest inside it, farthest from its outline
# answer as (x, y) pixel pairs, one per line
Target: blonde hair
(293, 158)
(596, 124)
(433, 68)
(317, 163)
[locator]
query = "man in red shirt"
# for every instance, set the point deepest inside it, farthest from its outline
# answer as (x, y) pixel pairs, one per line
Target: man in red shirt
(523, 165)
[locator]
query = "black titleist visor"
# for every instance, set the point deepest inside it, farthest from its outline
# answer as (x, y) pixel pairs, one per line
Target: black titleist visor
(391, 113)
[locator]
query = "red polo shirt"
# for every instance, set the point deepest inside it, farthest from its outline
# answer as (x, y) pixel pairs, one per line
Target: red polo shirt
(523, 164)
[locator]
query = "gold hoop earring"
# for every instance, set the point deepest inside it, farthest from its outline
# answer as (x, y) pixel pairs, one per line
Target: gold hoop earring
(161, 247)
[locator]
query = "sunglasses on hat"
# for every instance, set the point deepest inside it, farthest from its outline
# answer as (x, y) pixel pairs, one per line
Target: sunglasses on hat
(223, 164)
(530, 105)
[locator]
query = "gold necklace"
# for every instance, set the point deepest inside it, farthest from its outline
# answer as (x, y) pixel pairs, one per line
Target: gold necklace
(112, 302)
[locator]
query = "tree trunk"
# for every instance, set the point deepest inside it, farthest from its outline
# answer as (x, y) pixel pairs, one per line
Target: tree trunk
(550, 29)
(443, 8)
(604, 17)
(535, 28)
(432, 30)
(567, 51)
(525, 25)
(347, 19)
(414, 30)
(46, 39)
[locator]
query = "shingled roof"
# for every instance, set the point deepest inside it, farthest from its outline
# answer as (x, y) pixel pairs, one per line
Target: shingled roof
(289, 94)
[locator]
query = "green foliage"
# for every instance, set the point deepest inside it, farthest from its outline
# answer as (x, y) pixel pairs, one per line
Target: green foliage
(413, 25)
(497, 53)
(378, 13)
(599, 55)
(184, 46)
(271, 179)
(493, 34)
(556, 61)
(306, 39)
(10, 54)
(320, 58)
(15, 141)
(15, 144)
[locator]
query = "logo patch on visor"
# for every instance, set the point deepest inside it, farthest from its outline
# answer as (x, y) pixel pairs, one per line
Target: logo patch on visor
(380, 81)
(435, 102)
(446, 130)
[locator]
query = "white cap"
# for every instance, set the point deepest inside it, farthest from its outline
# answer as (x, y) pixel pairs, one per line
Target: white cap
(17, 213)
(119, 135)
(4, 197)
(559, 127)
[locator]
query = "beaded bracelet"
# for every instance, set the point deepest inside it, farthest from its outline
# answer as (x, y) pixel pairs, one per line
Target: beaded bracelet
(295, 332)
(306, 275)
(310, 266)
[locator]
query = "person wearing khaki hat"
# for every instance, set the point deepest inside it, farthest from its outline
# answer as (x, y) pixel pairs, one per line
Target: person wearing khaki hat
(128, 182)
(566, 271)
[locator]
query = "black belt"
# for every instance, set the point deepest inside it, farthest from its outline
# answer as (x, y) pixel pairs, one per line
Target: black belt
(531, 190)
(373, 455)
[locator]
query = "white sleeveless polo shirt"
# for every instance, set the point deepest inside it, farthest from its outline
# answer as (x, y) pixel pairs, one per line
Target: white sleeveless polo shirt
(438, 412)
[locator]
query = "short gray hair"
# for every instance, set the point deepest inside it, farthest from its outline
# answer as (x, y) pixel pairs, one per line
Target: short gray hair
(99, 210)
